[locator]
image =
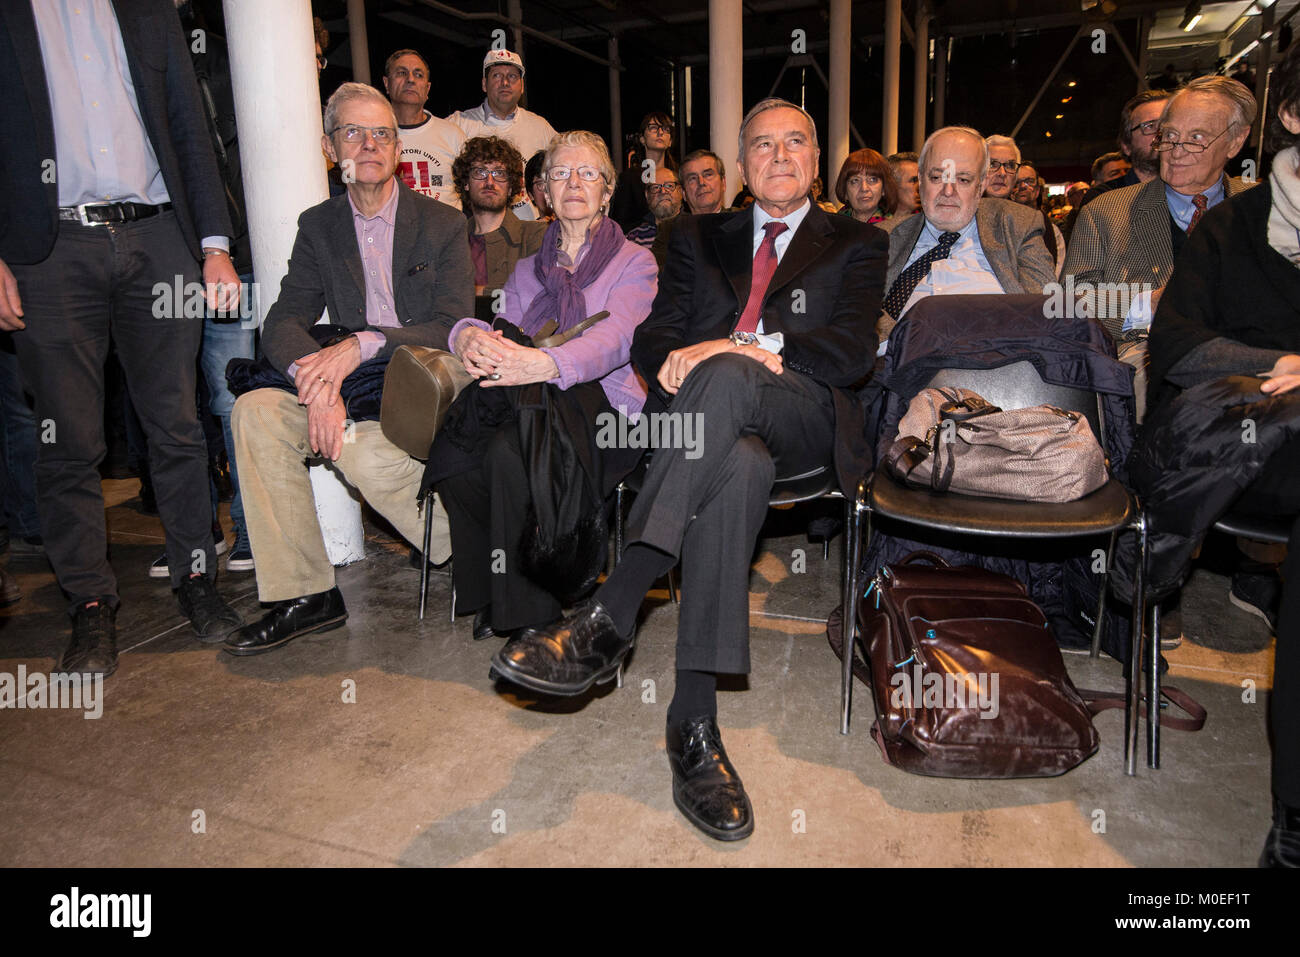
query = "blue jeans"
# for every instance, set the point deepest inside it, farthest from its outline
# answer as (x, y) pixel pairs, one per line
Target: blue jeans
(18, 448)
(223, 341)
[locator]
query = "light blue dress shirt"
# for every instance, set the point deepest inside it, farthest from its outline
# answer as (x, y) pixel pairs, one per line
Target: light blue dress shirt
(102, 151)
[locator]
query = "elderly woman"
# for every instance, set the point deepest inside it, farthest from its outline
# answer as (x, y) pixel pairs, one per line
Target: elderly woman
(586, 266)
(1232, 307)
(866, 187)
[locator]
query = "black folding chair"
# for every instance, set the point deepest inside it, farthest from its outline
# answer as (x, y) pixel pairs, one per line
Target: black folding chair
(1107, 510)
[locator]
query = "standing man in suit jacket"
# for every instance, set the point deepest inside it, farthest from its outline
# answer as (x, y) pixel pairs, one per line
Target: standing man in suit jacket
(110, 191)
(761, 327)
(1128, 238)
(393, 267)
(960, 244)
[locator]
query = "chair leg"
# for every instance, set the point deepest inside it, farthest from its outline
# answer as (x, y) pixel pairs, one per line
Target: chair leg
(424, 552)
(1153, 690)
(849, 603)
(672, 589)
(451, 570)
(1132, 706)
(1101, 599)
(618, 523)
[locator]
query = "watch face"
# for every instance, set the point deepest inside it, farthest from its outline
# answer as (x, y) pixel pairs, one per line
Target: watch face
(744, 338)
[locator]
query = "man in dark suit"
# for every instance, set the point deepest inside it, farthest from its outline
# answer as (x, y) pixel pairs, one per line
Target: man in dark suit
(761, 327)
(110, 192)
(393, 267)
(960, 243)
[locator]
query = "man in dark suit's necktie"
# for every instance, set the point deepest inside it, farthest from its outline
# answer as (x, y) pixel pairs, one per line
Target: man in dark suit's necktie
(913, 275)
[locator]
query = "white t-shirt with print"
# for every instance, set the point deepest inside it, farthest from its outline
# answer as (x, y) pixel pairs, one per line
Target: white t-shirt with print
(428, 150)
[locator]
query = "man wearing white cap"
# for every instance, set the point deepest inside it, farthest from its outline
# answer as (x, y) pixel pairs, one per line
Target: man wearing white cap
(501, 115)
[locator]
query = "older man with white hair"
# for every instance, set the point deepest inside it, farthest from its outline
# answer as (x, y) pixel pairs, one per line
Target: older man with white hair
(1004, 160)
(960, 244)
(1122, 250)
(393, 269)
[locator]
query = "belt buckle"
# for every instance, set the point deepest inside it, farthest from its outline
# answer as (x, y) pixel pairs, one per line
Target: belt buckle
(81, 213)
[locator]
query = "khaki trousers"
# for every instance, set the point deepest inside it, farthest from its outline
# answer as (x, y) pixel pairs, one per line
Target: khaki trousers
(270, 431)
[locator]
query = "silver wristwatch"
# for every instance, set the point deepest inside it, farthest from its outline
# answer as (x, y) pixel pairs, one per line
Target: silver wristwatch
(744, 339)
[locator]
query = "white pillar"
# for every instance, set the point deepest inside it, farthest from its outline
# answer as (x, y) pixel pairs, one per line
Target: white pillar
(893, 43)
(277, 106)
(921, 74)
(726, 66)
(357, 40)
(837, 136)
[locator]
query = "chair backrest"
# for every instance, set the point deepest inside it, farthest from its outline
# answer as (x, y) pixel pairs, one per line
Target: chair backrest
(1018, 386)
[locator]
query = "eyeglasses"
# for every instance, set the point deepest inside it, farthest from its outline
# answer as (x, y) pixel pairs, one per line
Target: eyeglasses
(1168, 139)
(382, 135)
(656, 188)
(1009, 165)
(506, 76)
(321, 62)
(1026, 183)
(479, 172)
(1148, 128)
(654, 128)
(588, 174)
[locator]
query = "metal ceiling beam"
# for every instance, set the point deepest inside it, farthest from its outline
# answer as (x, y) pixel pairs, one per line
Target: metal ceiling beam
(530, 31)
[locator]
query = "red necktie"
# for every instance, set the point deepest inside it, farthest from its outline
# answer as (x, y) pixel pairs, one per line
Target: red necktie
(764, 266)
(1200, 202)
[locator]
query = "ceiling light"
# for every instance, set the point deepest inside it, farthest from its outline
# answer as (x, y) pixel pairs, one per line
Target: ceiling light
(1191, 16)
(1191, 24)
(1072, 83)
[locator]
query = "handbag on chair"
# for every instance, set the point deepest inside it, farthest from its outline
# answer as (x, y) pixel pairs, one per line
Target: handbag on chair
(419, 387)
(952, 440)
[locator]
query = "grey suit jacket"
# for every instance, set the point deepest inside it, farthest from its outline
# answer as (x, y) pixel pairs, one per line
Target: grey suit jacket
(433, 280)
(1011, 236)
(1122, 237)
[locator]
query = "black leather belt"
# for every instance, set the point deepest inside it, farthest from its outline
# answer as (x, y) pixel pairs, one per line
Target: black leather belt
(103, 214)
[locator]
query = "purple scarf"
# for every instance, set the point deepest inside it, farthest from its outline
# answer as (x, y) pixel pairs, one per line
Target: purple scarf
(562, 298)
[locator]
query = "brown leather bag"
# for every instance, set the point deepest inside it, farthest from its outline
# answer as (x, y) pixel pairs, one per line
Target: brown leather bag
(952, 440)
(419, 387)
(966, 675)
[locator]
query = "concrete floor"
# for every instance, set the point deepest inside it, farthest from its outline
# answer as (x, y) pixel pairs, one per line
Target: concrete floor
(204, 759)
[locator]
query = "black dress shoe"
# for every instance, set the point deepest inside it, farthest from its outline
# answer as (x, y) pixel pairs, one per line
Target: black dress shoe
(93, 649)
(482, 627)
(706, 787)
(568, 657)
(288, 620)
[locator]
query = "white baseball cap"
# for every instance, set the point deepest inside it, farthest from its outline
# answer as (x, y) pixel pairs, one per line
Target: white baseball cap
(500, 58)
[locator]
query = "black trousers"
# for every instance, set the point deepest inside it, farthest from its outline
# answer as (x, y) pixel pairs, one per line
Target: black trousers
(101, 282)
(1275, 493)
(486, 508)
(706, 504)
